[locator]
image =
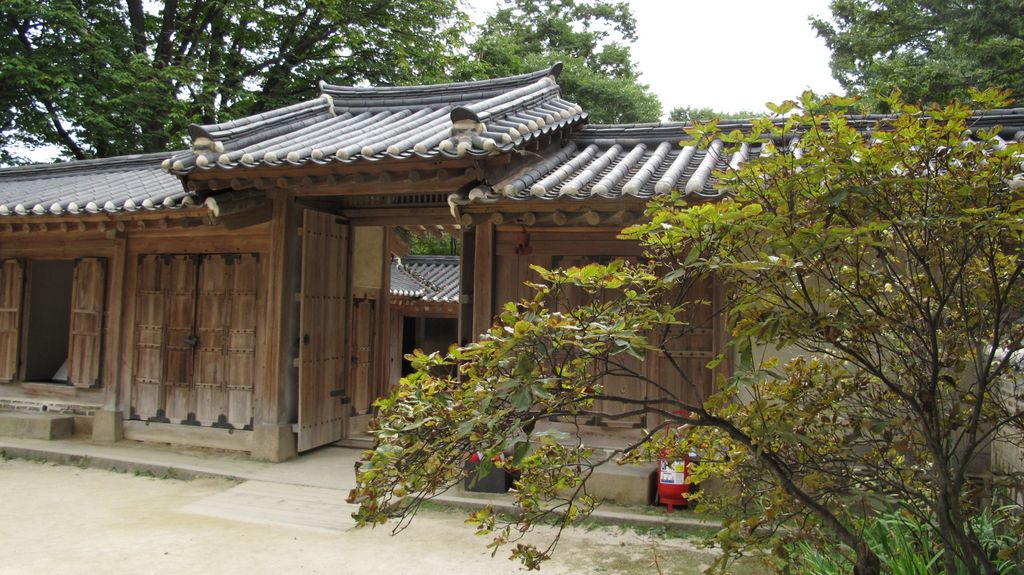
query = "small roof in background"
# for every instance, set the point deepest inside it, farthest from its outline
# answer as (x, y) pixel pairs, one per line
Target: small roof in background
(644, 160)
(346, 124)
(110, 185)
(426, 278)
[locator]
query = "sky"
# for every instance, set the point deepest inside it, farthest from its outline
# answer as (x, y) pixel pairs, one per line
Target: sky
(730, 55)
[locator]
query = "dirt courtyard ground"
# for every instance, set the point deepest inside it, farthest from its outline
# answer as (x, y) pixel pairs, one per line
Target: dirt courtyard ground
(63, 519)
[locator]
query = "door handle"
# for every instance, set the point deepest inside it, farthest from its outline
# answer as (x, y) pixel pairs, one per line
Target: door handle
(305, 339)
(191, 340)
(341, 395)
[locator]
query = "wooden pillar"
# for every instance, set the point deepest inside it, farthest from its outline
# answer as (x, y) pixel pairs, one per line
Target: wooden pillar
(467, 272)
(281, 284)
(483, 280)
(115, 324)
(382, 344)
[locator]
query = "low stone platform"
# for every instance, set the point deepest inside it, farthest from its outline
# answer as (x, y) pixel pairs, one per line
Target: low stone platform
(623, 484)
(36, 425)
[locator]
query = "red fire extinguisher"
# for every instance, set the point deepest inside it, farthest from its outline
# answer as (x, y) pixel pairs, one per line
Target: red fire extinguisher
(673, 480)
(674, 476)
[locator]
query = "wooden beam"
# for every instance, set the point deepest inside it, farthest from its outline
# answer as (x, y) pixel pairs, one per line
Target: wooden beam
(591, 218)
(389, 186)
(336, 169)
(398, 216)
(622, 218)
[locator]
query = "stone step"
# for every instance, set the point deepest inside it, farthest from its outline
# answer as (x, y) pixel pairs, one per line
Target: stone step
(36, 425)
(355, 442)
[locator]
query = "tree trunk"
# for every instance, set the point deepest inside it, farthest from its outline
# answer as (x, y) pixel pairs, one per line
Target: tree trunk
(867, 563)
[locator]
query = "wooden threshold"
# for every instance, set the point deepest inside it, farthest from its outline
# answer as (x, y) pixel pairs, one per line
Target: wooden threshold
(233, 439)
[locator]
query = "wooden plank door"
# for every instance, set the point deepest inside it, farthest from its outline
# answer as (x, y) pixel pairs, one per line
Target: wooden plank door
(212, 320)
(240, 340)
(12, 284)
(322, 415)
(619, 382)
(147, 372)
(682, 366)
(226, 329)
(162, 387)
(88, 293)
(180, 339)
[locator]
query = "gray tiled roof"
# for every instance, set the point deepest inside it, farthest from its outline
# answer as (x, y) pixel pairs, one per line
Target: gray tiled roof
(346, 124)
(110, 185)
(643, 160)
(427, 278)
(404, 284)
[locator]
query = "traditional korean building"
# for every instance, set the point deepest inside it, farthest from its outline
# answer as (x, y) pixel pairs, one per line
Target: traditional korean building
(243, 294)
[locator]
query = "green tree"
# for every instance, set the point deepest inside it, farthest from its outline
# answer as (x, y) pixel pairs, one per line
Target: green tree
(888, 268)
(590, 37)
(932, 51)
(426, 244)
(125, 76)
(706, 114)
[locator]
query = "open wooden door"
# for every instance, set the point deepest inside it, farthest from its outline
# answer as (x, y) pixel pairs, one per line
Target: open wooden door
(12, 282)
(85, 344)
(323, 409)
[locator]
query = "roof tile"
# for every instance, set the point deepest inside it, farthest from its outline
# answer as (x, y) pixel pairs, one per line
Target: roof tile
(348, 124)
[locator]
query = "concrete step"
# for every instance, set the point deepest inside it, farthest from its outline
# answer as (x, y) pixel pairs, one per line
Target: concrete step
(36, 425)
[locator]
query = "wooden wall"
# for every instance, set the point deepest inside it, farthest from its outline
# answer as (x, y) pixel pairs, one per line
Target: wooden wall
(501, 267)
(140, 292)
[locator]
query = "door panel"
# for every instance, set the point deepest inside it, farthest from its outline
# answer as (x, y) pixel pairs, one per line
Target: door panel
(212, 321)
(147, 379)
(621, 384)
(226, 329)
(682, 367)
(85, 345)
(179, 289)
(12, 283)
(240, 340)
(322, 416)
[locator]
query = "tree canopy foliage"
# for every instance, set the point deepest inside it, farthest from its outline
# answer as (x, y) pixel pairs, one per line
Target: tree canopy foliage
(591, 37)
(113, 77)
(125, 76)
(931, 51)
(706, 114)
(876, 296)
